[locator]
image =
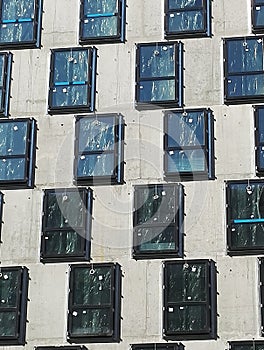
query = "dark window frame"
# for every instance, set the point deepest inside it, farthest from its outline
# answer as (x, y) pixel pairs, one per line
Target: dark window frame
(177, 78)
(241, 98)
(208, 147)
(20, 309)
(256, 29)
(7, 69)
(205, 32)
(30, 156)
(121, 25)
(245, 250)
(2, 202)
(114, 307)
(261, 294)
(91, 82)
(86, 195)
(259, 146)
(118, 177)
(211, 302)
(232, 344)
(37, 27)
(157, 346)
(178, 225)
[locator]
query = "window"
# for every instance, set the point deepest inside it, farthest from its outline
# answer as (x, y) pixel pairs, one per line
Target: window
(246, 345)
(160, 346)
(257, 12)
(1, 212)
(17, 153)
(245, 217)
(259, 139)
(99, 149)
(159, 74)
(243, 67)
(189, 300)
(185, 18)
(261, 290)
(158, 221)
(102, 21)
(72, 80)
(66, 225)
(189, 145)
(20, 23)
(5, 78)
(13, 305)
(94, 303)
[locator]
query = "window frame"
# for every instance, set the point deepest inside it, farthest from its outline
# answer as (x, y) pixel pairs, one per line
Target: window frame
(21, 307)
(258, 144)
(177, 78)
(256, 29)
(211, 303)
(157, 346)
(7, 69)
(205, 32)
(246, 250)
(232, 344)
(115, 307)
(178, 224)
(241, 99)
(29, 155)
(86, 195)
(37, 27)
(209, 171)
(121, 25)
(118, 177)
(66, 347)
(91, 82)
(261, 294)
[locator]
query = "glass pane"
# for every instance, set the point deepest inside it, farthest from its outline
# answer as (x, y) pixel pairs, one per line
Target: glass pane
(70, 66)
(12, 169)
(155, 205)
(186, 161)
(156, 238)
(18, 32)
(96, 165)
(157, 90)
(247, 235)
(260, 125)
(9, 288)
(187, 282)
(65, 210)
(8, 323)
(259, 15)
(261, 157)
(157, 61)
(74, 95)
(63, 242)
(92, 322)
(100, 6)
(245, 85)
(17, 9)
(187, 318)
(13, 138)
(253, 346)
(100, 27)
(185, 21)
(96, 134)
(245, 55)
(2, 69)
(186, 130)
(92, 286)
(181, 4)
(246, 204)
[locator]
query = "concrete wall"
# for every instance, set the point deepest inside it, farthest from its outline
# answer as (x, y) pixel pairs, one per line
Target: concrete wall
(238, 304)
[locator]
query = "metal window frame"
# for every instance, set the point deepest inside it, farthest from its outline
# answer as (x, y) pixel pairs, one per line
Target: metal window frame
(87, 197)
(121, 26)
(256, 29)
(91, 82)
(240, 99)
(29, 156)
(37, 27)
(21, 308)
(232, 344)
(234, 251)
(118, 177)
(207, 15)
(208, 147)
(178, 225)
(211, 303)
(157, 346)
(177, 77)
(7, 67)
(114, 307)
(258, 144)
